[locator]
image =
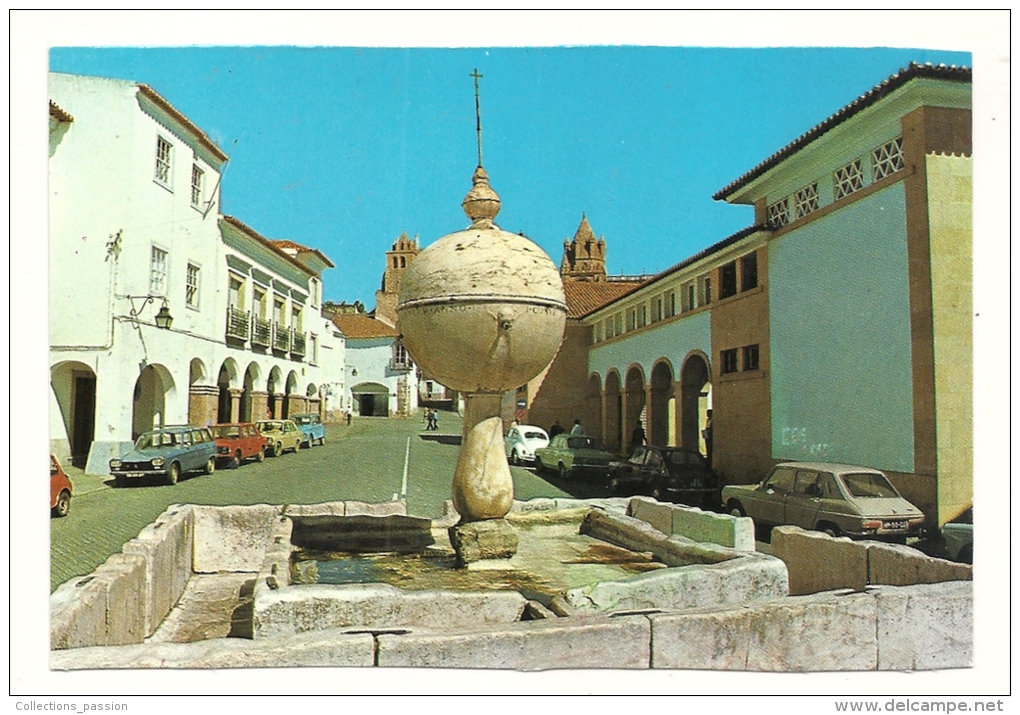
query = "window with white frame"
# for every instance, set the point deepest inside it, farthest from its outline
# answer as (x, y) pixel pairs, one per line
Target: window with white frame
(847, 180)
(164, 157)
(631, 319)
(778, 214)
(706, 290)
(314, 339)
(887, 159)
(657, 309)
(642, 315)
(157, 271)
(191, 286)
(618, 324)
(805, 201)
(197, 177)
(669, 307)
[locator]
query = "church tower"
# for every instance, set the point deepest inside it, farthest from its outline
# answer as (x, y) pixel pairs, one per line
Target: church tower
(584, 257)
(398, 259)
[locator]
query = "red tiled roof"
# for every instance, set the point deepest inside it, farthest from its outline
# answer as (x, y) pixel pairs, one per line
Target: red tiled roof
(59, 114)
(911, 71)
(158, 100)
(584, 297)
(242, 226)
(284, 244)
(362, 326)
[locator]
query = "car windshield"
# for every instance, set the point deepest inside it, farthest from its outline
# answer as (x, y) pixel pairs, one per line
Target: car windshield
(682, 459)
(303, 420)
(534, 435)
(866, 484)
(220, 431)
(584, 443)
(266, 426)
(152, 440)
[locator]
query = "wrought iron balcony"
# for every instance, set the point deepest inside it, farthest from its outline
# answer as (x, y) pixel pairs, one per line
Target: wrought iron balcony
(237, 323)
(262, 332)
(297, 346)
(397, 365)
(281, 338)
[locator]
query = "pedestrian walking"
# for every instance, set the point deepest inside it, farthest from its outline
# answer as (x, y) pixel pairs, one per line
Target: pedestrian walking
(556, 429)
(707, 434)
(637, 437)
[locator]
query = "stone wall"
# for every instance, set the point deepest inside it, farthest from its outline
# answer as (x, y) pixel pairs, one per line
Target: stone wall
(885, 628)
(819, 562)
(695, 524)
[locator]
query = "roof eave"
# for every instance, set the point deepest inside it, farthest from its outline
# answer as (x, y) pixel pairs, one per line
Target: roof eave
(154, 96)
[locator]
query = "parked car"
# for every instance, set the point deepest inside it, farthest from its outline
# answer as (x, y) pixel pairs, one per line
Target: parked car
(281, 435)
(60, 489)
(574, 456)
(311, 426)
(167, 452)
(521, 442)
(238, 441)
(958, 535)
(839, 499)
(667, 473)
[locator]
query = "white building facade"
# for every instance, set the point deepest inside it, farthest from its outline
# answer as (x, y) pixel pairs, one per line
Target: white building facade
(136, 237)
(381, 380)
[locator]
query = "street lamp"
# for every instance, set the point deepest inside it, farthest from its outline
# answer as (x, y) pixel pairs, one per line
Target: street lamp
(163, 318)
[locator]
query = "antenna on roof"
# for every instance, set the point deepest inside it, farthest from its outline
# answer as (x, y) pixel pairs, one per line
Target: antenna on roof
(478, 114)
(219, 179)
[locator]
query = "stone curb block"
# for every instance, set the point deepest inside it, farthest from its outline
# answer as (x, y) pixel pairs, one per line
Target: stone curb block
(821, 632)
(898, 565)
(317, 607)
(78, 613)
(530, 645)
(391, 508)
(124, 575)
(818, 562)
(694, 523)
(232, 538)
(320, 649)
(333, 508)
(926, 626)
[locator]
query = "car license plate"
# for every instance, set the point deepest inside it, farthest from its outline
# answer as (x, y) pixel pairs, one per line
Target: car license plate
(896, 524)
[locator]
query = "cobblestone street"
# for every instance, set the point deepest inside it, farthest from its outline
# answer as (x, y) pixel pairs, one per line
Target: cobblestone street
(365, 461)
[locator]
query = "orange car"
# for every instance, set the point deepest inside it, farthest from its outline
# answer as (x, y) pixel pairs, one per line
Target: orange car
(60, 489)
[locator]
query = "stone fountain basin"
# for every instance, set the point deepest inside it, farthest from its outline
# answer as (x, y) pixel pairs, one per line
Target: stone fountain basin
(394, 572)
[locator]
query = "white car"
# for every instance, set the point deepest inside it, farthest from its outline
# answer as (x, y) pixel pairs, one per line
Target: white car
(522, 441)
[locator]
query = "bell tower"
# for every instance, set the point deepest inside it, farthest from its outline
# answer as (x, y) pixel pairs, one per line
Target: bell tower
(584, 257)
(398, 259)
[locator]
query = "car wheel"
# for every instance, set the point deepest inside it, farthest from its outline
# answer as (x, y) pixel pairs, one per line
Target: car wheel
(539, 467)
(966, 554)
(278, 449)
(235, 462)
(210, 466)
(120, 480)
(174, 474)
(322, 439)
(827, 528)
(261, 456)
(515, 459)
(63, 504)
(657, 494)
(564, 473)
(736, 509)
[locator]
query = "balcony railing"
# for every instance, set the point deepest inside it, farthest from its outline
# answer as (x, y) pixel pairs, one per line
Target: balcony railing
(397, 365)
(237, 323)
(297, 346)
(281, 338)
(262, 332)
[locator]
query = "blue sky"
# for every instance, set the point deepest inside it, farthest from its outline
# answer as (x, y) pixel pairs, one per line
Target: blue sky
(343, 148)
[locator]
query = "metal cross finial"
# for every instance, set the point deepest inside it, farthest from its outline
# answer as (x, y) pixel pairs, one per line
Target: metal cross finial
(478, 114)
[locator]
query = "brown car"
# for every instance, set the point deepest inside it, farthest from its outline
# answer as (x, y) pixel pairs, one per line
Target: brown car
(238, 441)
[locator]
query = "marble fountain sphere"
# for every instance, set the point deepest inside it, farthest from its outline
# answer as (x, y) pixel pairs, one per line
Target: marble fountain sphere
(482, 311)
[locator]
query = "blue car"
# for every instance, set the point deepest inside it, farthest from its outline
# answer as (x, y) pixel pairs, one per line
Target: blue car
(311, 426)
(167, 453)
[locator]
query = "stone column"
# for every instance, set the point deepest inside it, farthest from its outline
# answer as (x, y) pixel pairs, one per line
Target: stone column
(649, 413)
(259, 405)
(605, 417)
(235, 404)
(202, 404)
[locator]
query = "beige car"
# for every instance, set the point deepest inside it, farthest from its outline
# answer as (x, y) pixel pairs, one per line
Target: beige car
(839, 499)
(281, 435)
